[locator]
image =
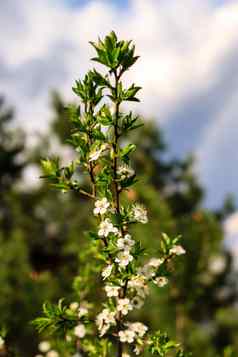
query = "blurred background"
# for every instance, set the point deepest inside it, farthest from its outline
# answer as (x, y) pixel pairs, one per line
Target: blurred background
(186, 158)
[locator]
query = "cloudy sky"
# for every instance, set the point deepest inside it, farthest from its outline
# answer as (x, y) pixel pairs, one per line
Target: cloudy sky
(188, 69)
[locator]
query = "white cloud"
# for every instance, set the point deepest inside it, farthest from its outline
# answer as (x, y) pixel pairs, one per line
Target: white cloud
(188, 49)
(231, 234)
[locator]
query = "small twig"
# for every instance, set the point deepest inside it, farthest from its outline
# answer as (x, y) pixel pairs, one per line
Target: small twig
(87, 194)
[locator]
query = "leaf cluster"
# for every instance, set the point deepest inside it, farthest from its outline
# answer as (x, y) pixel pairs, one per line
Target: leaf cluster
(115, 54)
(161, 345)
(58, 319)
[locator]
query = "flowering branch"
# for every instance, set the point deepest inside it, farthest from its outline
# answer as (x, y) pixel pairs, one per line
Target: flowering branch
(96, 139)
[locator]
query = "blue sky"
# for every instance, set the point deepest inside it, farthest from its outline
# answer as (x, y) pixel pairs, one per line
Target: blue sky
(188, 69)
(124, 3)
(78, 3)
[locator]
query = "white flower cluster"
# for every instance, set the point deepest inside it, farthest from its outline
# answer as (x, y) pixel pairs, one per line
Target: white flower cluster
(124, 306)
(107, 271)
(101, 206)
(105, 320)
(125, 245)
(139, 284)
(134, 331)
(112, 290)
(45, 347)
(126, 336)
(82, 310)
(123, 258)
(139, 213)
(125, 172)
(106, 227)
(137, 302)
(149, 269)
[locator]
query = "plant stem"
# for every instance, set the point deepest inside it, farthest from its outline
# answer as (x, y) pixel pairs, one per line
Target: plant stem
(87, 194)
(115, 149)
(91, 173)
(91, 169)
(116, 189)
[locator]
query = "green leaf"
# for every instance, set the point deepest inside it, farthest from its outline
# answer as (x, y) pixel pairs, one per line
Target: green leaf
(129, 94)
(104, 116)
(128, 182)
(51, 168)
(126, 151)
(100, 79)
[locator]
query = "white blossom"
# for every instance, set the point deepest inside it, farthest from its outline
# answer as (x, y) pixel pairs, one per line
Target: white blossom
(104, 320)
(177, 250)
(101, 206)
(135, 330)
(139, 328)
(124, 306)
(217, 264)
(52, 353)
(112, 290)
(138, 282)
(107, 271)
(161, 281)
(106, 227)
(44, 346)
(124, 171)
(148, 271)
(125, 243)
(123, 258)
(80, 331)
(125, 354)
(74, 306)
(94, 155)
(155, 262)
(68, 338)
(127, 336)
(139, 213)
(82, 311)
(2, 342)
(137, 302)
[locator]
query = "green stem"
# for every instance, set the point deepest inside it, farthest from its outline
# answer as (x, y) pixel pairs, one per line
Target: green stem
(91, 168)
(115, 149)
(117, 190)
